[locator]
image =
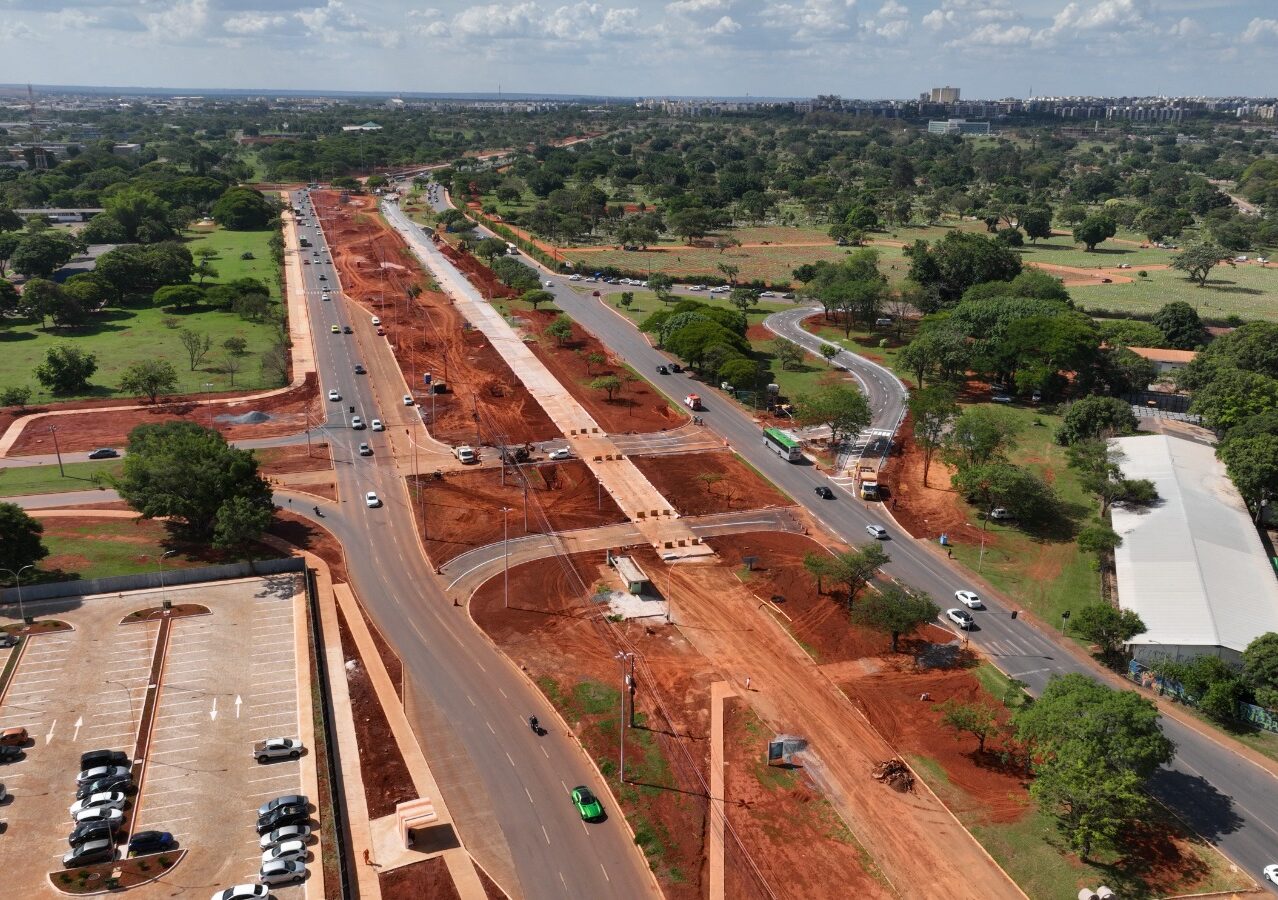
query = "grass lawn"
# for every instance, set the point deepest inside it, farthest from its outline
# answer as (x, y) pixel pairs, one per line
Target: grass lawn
(1046, 572)
(19, 480)
(120, 337)
(645, 303)
(1245, 290)
(1062, 251)
(866, 342)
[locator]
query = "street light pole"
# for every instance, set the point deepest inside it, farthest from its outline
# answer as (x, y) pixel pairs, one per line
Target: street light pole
(17, 578)
(622, 656)
(505, 557)
(164, 594)
(53, 430)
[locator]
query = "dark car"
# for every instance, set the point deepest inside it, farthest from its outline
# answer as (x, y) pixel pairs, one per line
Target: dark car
(346, 329)
(824, 492)
(95, 851)
(151, 842)
(104, 453)
(88, 831)
(94, 759)
(283, 800)
(676, 368)
(662, 370)
(360, 370)
(11, 754)
(122, 783)
(278, 818)
(323, 278)
(8, 640)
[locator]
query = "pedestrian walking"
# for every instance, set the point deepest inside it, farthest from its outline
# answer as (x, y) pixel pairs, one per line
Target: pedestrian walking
(747, 682)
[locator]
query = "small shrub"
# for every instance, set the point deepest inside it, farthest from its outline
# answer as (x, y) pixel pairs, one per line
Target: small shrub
(64, 878)
(247, 254)
(165, 861)
(171, 322)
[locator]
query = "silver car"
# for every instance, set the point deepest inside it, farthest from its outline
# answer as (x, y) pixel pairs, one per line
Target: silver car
(282, 871)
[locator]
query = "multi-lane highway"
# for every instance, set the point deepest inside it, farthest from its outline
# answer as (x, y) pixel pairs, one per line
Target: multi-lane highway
(507, 787)
(1228, 799)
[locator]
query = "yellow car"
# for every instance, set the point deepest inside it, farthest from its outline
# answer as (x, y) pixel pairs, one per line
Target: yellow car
(335, 329)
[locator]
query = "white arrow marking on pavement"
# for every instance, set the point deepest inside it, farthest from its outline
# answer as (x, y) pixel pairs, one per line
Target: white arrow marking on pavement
(238, 701)
(213, 711)
(49, 737)
(78, 723)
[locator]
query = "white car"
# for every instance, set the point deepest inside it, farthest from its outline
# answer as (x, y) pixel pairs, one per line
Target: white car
(408, 400)
(969, 599)
(357, 423)
(960, 617)
(282, 871)
(107, 800)
(1271, 873)
(99, 772)
(108, 814)
(574, 278)
(243, 892)
(877, 531)
(365, 450)
(376, 321)
(549, 284)
(277, 748)
(377, 425)
(371, 500)
(334, 397)
(560, 453)
(286, 850)
(285, 833)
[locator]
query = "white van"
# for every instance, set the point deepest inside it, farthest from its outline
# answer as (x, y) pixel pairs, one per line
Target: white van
(466, 455)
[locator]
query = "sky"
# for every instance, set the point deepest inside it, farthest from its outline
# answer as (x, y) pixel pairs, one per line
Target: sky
(798, 48)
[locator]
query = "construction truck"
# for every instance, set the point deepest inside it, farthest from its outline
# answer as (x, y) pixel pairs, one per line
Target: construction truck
(869, 489)
(692, 401)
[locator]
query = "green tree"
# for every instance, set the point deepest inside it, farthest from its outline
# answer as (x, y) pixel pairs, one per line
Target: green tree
(788, 353)
(975, 719)
(204, 269)
(1105, 626)
(20, 538)
(235, 345)
(932, 411)
(9, 220)
(537, 297)
(960, 260)
(142, 216)
(1096, 417)
(1232, 396)
(240, 521)
(999, 483)
(41, 254)
(1094, 230)
(937, 353)
(1252, 464)
(828, 352)
(820, 566)
(560, 329)
(1260, 668)
(490, 248)
(42, 297)
(1198, 259)
(981, 433)
(66, 369)
(243, 209)
(197, 345)
(609, 384)
(729, 272)
(743, 298)
(187, 472)
(894, 611)
(661, 284)
(1037, 223)
(149, 378)
(1180, 325)
(855, 568)
(9, 241)
(843, 409)
(1099, 538)
(16, 395)
(594, 359)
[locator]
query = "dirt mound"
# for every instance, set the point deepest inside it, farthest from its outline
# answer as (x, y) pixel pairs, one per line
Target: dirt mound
(253, 417)
(895, 774)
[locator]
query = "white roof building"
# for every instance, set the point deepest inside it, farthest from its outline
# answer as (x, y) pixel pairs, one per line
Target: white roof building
(1192, 566)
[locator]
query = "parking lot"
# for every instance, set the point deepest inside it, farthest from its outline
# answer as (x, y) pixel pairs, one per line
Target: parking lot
(229, 678)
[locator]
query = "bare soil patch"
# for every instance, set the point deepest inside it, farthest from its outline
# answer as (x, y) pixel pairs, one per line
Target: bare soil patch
(428, 333)
(426, 879)
(303, 533)
(293, 458)
(386, 777)
(710, 482)
(462, 510)
(96, 427)
(924, 512)
(637, 407)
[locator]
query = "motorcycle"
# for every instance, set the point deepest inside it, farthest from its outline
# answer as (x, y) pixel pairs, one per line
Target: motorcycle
(535, 726)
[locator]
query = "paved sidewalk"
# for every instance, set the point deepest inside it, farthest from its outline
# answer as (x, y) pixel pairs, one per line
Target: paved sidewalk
(718, 691)
(633, 492)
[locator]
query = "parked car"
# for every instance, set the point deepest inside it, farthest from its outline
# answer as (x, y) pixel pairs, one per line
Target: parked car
(108, 799)
(284, 850)
(282, 871)
(279, 747)
(104, 453)
(283, 800)
(151, 842)
(878, 532)
(287, 833)
(588, 806)
(560, 453)
(11, 754)
(94, 851)
(123, 783)
(108, 814)
(281, 816)
(89, 831)
(960, 617)
(243, 892)
(14, 737)
(969, 599)
(8, 640)
(98, 772)
(94, 759)
(1001, 398)
(824, 492)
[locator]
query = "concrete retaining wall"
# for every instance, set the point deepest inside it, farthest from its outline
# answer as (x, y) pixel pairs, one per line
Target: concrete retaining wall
(151, 580)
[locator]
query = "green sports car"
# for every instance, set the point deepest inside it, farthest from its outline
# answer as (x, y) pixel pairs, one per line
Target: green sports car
(587, 804)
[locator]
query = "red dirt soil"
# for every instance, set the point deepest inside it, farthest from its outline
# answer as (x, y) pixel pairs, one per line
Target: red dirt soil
(426, 879)
(554, 632)
(780, 816)
(101, 425)
(386, 778)
(293, 458)
(303, 533)
(463, 510)
(476, 272)
(428, 334)
(925, 512)
(637, 407)
(818, 621)
(675, 476)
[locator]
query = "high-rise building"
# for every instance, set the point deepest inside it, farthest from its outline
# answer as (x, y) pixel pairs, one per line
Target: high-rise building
(945, 94)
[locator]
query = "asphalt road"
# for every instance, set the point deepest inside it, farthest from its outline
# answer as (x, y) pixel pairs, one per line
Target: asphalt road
(1227, 799)
(460, 683)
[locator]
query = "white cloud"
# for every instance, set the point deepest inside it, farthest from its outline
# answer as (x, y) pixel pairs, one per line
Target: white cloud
(686, 7)
(725, 25)
(1260, 29)
(253, 23)
(959, 14)
(181, 21)
(892, 10)
(994, 36)
(813, 20)
(1105, 14)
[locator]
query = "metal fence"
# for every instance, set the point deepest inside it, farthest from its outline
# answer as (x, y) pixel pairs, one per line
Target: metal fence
(1247, 712)
(152, 580)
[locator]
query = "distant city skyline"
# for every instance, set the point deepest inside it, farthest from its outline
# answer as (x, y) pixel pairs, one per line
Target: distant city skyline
(629, 48)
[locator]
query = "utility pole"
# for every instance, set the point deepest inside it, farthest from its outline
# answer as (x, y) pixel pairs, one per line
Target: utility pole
(622, 656)
(53, 430)
(505, 558)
